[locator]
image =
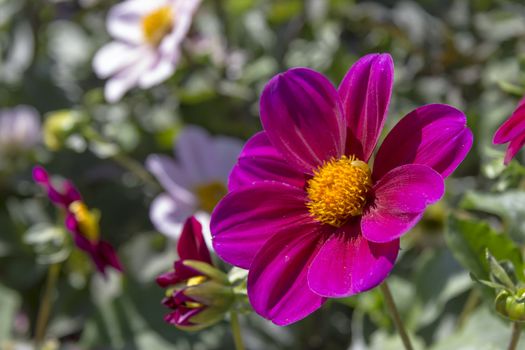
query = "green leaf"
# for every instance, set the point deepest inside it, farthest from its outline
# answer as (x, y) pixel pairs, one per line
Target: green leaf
(468, 239)
(509, 206)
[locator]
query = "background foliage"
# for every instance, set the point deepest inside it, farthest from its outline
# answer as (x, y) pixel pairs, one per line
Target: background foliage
(465, 53)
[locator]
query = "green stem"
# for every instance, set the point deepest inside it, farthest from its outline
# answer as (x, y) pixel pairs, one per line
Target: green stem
(395, 315)
(470, 305)
(136, 168)
(516, 332)
(236, 331)
(123, 159)
(46, 303)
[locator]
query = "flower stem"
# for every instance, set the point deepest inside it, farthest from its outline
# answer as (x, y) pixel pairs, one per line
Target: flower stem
(236, 331)
(123, 159)
(395, 315)
(516, 332)
(46, 303)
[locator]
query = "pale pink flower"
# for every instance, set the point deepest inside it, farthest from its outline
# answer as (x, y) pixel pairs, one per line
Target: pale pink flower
(146, 48)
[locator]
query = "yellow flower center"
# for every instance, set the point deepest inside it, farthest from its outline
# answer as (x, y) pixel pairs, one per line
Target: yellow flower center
(88, 221)
(210, 194)
(156, 24)
(338, 190)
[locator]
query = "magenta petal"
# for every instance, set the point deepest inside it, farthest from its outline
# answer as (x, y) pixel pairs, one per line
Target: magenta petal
(365, 92)
(191, 245)
(260, 161)
(512, 127)
(348, 263)
(104, 255)
(302, 116)
(514, 146)
(401, 196)
(245, 219)
(277, 282)
(435, 135)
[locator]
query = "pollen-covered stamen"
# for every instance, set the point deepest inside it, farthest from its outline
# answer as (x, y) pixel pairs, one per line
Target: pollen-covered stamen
(338, 190)
(156, 24)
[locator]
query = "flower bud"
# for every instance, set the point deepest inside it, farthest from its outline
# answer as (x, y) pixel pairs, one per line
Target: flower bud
(59, 126)
(198, 293)
(511, 306)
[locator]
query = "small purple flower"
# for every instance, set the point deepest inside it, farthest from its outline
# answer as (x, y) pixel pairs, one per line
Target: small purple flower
(512, 131)
(146, 50)
(80, 221)
(195, 182)
(307, 214)
(20, 129)
(198, 294)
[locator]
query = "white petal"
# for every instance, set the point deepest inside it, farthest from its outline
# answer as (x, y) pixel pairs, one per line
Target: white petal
(168, 215)
(226, 150)
(114, 57)
(125, 19)
(159, 72)
(171, 176)
(194, 150)
(126, 79)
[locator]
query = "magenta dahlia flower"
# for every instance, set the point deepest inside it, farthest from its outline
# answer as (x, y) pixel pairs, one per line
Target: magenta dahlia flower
(80, 221)
(512, 131)
(307, 214)
(198, 294)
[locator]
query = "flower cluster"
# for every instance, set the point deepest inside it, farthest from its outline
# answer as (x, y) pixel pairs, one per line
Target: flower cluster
(80, 221)
(307, 214)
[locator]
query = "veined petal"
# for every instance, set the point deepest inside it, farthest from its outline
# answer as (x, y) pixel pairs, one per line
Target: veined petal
(401, 196)
(365, 93)
(512, 127)
(435, 135)
(191, 244)
(348, 264)
(302, 116)
(245, 219)
(260, 161)
(277, 282)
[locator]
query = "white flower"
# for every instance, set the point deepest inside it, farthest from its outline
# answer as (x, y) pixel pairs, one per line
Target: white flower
(19, 129)
(195, 182)
(146, 50)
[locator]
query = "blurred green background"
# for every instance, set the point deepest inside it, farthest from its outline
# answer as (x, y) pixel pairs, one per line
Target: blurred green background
(470, 54)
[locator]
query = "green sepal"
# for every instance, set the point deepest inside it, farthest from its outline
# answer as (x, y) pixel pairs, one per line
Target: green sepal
(207, 270)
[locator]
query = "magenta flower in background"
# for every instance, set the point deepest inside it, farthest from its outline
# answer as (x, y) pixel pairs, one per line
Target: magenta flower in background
(512, 131)
(146, 49)
(195, 182)
(307, 214)
(198, 294)
(81, 222)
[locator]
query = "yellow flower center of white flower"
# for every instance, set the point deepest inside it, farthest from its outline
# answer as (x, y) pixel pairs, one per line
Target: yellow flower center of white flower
(156, 24)
(88, 221)
(338, 190)
(210, 194)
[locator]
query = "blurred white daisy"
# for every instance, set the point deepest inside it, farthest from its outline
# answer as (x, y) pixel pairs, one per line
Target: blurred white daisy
(194, 182)
(146, 49)
(20, 129)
